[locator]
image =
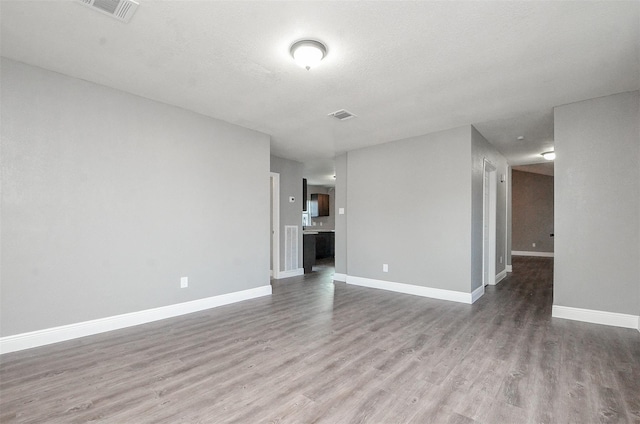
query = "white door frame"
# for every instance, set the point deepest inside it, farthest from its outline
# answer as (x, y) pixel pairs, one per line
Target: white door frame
(274, 181)
(508, 221)
(489, 227)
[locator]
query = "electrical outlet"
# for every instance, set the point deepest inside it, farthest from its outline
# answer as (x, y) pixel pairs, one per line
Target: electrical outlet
(533, 244)
(184, 282)
(385, 267)
(500, 259)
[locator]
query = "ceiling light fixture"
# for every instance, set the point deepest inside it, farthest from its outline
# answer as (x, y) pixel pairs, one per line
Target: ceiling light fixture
(549, 155)
(308, 53)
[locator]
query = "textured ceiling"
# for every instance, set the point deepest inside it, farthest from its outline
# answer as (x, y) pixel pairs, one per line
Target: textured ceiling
(405, 68)
(535, 128)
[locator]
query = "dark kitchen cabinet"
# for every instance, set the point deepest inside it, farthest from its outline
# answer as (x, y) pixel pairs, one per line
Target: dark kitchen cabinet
(325, 245)
(319, 205)
(304, 195)
(308, 252)
(318, 245)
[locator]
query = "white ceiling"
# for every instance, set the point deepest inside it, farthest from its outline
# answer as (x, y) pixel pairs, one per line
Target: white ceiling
(535, 128)
(405, 68)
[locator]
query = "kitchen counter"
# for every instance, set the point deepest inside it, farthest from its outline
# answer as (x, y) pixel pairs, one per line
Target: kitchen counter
(314, 231)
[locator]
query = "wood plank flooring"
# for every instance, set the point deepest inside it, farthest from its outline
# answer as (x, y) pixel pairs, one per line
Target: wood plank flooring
(319, 352)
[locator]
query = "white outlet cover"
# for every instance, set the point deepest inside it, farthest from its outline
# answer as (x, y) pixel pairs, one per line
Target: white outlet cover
(292, 199)
(184, 282)
(340, 211)
(385, 267)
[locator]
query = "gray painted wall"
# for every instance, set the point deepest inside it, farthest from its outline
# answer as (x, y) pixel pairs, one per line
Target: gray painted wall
(290, 213)
(597, 204)
(481, 149)
(341, 220)
(532, 211)
(409, 205)
(324, 222)
(108, 199)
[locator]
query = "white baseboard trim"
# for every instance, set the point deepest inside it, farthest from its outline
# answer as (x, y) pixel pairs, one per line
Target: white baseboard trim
(87, 328)
(477, 293)
(538, 254)
(454, 296)
(509, 268)
(596, 317)
(291, 273)
(501, 276)
(339, 277)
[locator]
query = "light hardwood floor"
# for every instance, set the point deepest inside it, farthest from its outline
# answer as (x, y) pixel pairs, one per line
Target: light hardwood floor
(316, 351)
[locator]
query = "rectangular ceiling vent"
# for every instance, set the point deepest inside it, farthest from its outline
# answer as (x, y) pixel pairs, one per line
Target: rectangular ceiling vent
(342, 114)
(122, 10)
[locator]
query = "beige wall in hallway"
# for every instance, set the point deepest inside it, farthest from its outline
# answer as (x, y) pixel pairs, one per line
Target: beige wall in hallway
(532, 209)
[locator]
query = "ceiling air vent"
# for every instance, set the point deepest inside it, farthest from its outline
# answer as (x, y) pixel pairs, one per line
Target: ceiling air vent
(119, 9)
(342, 114)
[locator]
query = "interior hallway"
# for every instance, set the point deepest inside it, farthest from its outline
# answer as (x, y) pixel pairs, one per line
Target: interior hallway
(333, 353)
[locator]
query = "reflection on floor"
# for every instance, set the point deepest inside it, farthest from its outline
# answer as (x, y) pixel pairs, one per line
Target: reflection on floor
(324, 266)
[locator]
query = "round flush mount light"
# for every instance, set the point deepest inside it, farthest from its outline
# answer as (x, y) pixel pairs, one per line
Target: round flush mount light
(308, 53)
(549, 155)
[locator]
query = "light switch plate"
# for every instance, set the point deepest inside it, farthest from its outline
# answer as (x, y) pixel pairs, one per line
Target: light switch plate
(340, 211)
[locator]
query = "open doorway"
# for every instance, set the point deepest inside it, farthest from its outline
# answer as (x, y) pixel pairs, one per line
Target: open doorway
(532, 206)
(319, 230)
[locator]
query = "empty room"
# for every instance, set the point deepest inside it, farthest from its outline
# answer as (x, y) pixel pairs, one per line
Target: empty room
(319, 211)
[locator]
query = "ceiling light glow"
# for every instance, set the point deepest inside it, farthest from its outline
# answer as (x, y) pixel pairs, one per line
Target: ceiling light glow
(308, 53)
(549, 155)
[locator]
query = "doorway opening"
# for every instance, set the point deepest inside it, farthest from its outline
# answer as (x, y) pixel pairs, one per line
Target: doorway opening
(532, 207)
